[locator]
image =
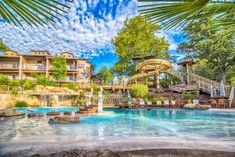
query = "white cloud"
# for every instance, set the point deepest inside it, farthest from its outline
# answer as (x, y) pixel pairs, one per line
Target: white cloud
(81, 31)
(169, 37)
(86, 30)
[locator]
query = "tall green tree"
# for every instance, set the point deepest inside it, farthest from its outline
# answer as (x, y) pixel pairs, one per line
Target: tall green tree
(32, 12)
(105, 74)
(204, 68)
(3, 47)
(137, 38)
(59, 67)
(206, 43)
(177, 13)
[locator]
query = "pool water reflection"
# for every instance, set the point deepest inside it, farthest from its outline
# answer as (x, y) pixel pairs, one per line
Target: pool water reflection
(127, 123)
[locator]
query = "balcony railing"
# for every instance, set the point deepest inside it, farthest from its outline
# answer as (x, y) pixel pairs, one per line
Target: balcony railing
(81, 65)
(34, 67)
(71, 67)
(81, 76)
(9, 66)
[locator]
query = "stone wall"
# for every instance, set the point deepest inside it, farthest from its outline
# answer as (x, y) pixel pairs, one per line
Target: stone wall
(43, 96)
(9, 100)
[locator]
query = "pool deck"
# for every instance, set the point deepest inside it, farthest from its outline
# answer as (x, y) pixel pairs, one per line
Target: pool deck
(223, 109)
(30, 146)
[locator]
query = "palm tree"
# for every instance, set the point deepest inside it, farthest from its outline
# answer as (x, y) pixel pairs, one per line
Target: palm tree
(177, 13)
(32, 12)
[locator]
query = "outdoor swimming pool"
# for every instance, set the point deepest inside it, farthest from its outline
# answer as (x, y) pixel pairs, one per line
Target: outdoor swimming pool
(125, 123)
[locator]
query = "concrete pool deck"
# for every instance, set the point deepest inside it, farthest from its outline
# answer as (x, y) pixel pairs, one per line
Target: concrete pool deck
(223, 109)
(32, 146)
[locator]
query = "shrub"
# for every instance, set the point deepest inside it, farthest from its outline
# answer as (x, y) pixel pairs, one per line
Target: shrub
(14, 92)
(139, 90)
(21, 104)
(14, 83)
(161, 99)
(28, 84)
(96, 89)
(4, 79)
(71, 86)
(189, 95)
(41, 79)
(151, 98)
(4, 87)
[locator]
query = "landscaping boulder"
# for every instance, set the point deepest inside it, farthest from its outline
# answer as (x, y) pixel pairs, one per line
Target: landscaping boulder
(9, 112)
(203, 107)
(31, 115)
(53, 113)
(67, 113)
(197, 106)
(64, 120)
(190, 106)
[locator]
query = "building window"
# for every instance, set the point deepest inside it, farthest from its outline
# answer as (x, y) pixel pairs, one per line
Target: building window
(81, 65)
(70, 77)
(39, 62)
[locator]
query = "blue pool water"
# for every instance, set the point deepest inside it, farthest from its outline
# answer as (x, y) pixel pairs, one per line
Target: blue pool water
(46, 109)
(126, 123)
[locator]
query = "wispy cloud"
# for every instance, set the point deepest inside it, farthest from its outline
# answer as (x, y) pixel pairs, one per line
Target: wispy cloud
(87, 30)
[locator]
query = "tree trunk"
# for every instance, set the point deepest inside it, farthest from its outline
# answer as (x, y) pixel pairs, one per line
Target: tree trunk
(223, 77)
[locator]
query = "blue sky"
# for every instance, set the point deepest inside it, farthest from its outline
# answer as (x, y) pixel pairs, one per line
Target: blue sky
(87, 31)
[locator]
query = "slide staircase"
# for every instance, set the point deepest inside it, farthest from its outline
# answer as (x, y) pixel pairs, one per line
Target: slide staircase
(155, 67)
(204, 84)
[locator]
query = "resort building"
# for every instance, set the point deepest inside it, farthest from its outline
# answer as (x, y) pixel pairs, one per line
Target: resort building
(21, 66)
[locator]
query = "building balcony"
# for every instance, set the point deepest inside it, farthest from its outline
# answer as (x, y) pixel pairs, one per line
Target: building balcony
(34, 67)
(9, 66)
(81, 65)
(71, 67)
(81, 76)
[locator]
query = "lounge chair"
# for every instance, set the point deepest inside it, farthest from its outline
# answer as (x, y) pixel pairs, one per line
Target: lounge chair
(173, 103)
(222, 103)
(213, 103)
(141, 103)
(159, 104)
(149, 103)
(166, 103)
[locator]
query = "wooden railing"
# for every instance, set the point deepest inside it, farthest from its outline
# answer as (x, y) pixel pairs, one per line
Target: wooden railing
(202, 83)
(207, 85)
(176, 74)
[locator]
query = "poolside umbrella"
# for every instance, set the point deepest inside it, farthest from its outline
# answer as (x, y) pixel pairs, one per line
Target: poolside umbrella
(222, 91)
